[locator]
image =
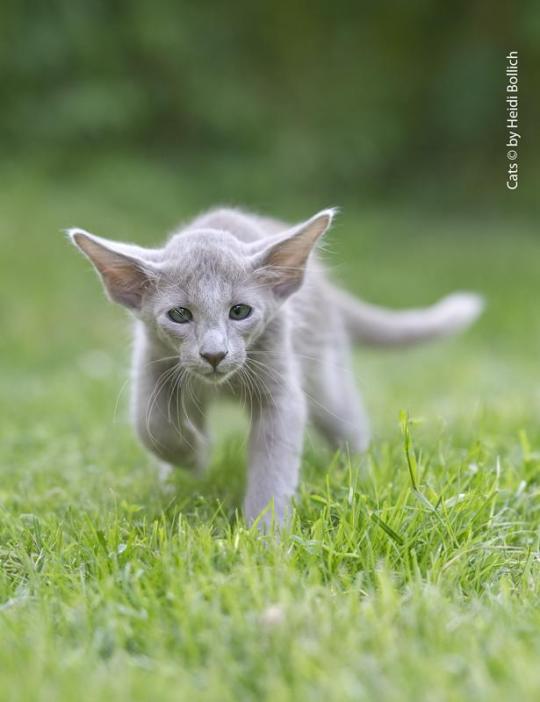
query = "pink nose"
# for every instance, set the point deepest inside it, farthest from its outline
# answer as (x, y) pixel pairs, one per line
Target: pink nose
(214, 359)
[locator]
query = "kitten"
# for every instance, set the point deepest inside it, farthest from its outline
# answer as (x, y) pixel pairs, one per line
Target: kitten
(239, 305)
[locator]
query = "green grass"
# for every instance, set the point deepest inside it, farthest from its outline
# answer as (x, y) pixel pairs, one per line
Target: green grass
(413, 575)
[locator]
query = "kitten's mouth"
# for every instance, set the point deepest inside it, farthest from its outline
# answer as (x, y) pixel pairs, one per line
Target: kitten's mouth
(213, 376)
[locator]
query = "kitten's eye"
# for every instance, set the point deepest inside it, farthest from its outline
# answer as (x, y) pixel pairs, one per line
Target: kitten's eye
(180, 315)
(239, 312)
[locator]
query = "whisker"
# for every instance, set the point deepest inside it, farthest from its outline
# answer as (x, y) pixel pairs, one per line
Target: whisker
(160, 384)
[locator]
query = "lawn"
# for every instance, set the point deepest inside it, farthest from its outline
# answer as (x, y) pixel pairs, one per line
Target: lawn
(412, 574)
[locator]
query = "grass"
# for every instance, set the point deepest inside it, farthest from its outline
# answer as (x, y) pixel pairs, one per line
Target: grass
(411, 575)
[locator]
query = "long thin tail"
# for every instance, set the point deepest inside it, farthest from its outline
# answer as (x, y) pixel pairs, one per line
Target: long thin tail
(377, 326)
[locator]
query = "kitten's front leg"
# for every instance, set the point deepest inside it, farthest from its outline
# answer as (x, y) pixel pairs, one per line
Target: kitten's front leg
(275, 449)
(179, 442)
(170, 423)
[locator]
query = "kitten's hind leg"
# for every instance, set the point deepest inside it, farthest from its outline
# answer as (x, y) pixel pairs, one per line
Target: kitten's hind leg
(335, 406)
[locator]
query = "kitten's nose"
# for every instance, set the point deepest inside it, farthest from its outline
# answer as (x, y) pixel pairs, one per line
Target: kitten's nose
(215, 358)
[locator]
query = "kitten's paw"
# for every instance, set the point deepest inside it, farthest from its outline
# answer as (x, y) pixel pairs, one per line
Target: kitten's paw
(196, 467)
(164, 471)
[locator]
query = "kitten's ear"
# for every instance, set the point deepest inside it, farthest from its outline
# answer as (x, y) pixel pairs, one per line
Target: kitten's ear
(283, 262)
(122, 268)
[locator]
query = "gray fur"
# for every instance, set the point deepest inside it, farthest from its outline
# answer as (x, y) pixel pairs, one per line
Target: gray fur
(289, 361)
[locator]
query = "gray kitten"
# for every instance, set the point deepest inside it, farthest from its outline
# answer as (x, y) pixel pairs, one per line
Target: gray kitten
(239, 305)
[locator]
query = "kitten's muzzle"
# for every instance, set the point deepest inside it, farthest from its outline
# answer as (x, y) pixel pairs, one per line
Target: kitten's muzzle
(214, 358)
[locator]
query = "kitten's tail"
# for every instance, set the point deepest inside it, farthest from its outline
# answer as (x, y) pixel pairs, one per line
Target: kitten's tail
(377, 326)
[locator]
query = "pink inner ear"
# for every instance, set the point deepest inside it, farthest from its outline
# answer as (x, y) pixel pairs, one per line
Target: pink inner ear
(124, 278)
(126, 283)
(285, 262)
(283, 269)
(292, 253)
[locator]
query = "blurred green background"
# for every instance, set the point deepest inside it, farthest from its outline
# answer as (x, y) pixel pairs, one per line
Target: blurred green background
(281, 102)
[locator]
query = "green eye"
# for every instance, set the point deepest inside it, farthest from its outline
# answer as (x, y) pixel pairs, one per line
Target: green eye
(239, 312)
(180, 315)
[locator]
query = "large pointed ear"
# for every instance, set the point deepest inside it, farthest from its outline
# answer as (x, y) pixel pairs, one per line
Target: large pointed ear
(122, 268)
(283, 261)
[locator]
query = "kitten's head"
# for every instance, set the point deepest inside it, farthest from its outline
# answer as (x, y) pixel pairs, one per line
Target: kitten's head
(206, 295)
